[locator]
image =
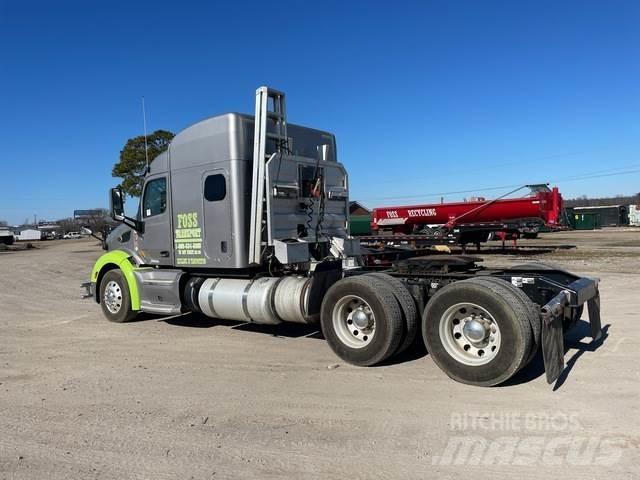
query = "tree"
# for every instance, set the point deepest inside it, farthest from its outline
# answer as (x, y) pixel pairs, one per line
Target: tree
(69, 225)
(132, 164)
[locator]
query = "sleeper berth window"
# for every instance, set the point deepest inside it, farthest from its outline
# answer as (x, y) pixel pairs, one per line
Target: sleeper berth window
(215, 188)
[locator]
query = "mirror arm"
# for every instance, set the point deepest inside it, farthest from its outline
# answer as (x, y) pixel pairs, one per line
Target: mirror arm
(102, 240)
(137, 225)
(96, 237)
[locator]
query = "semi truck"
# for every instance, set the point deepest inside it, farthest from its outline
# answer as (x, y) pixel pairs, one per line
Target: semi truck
(246, 218)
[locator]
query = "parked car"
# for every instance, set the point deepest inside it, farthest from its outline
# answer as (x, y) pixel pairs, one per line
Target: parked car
(69, 235)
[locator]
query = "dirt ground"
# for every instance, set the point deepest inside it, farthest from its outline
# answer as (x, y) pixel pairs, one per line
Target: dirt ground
(189, 397)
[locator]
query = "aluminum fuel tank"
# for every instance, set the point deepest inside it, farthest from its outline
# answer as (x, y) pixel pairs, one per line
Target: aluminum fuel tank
(268, 300)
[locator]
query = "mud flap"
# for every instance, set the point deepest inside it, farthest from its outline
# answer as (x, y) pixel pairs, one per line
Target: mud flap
(552, 347)
(553, 336)
(593, 305)
(580, 292)
(324, 276)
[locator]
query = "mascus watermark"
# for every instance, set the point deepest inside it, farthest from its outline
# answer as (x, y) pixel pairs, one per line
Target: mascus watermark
(531, 438)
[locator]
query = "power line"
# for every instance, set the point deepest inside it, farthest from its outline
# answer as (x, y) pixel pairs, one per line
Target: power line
(597, 174)
(438, 194)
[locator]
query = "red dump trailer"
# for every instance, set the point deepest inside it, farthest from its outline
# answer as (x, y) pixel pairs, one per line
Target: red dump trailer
(542, 203)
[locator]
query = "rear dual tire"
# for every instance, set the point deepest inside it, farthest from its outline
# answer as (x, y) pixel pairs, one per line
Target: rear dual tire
(479, 332)
(501, 288)
(410, 316)
(361, 320)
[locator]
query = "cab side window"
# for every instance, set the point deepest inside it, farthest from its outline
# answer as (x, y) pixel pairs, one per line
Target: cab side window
(155, 198)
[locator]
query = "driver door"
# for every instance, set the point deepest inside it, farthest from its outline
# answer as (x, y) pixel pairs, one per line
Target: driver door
(155, 244)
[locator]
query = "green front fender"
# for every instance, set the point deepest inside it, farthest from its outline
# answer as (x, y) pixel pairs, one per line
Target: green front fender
(119, 259)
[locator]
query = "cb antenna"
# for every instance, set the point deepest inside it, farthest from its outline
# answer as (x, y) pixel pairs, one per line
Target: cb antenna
(144, 122)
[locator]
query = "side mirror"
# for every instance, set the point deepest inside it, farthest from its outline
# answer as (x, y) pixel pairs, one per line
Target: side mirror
(86, 231)
(117, 204)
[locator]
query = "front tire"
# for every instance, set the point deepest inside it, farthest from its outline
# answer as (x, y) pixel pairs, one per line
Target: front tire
(115, 299)
(476, 336)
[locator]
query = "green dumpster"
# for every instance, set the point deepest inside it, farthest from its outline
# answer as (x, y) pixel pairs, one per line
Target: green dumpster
(360, 225)
(586, 221)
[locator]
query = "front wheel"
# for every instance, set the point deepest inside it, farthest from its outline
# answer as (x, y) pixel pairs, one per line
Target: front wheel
(115, 299)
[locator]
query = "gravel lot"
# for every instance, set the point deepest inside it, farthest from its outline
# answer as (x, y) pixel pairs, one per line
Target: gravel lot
(189, 397)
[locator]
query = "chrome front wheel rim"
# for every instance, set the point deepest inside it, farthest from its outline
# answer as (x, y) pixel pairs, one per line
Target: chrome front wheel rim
(112, 297)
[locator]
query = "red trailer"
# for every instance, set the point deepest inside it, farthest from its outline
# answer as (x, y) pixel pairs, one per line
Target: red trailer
(543, 204)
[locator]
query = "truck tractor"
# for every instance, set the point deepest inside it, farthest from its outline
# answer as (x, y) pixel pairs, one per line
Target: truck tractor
(246, 218)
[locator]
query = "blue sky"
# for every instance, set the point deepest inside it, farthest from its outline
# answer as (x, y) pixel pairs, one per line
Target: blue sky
(425, 97)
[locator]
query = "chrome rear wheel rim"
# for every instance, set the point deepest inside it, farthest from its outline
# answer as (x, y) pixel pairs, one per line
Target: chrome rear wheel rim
(470, 334)
(353, 321)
